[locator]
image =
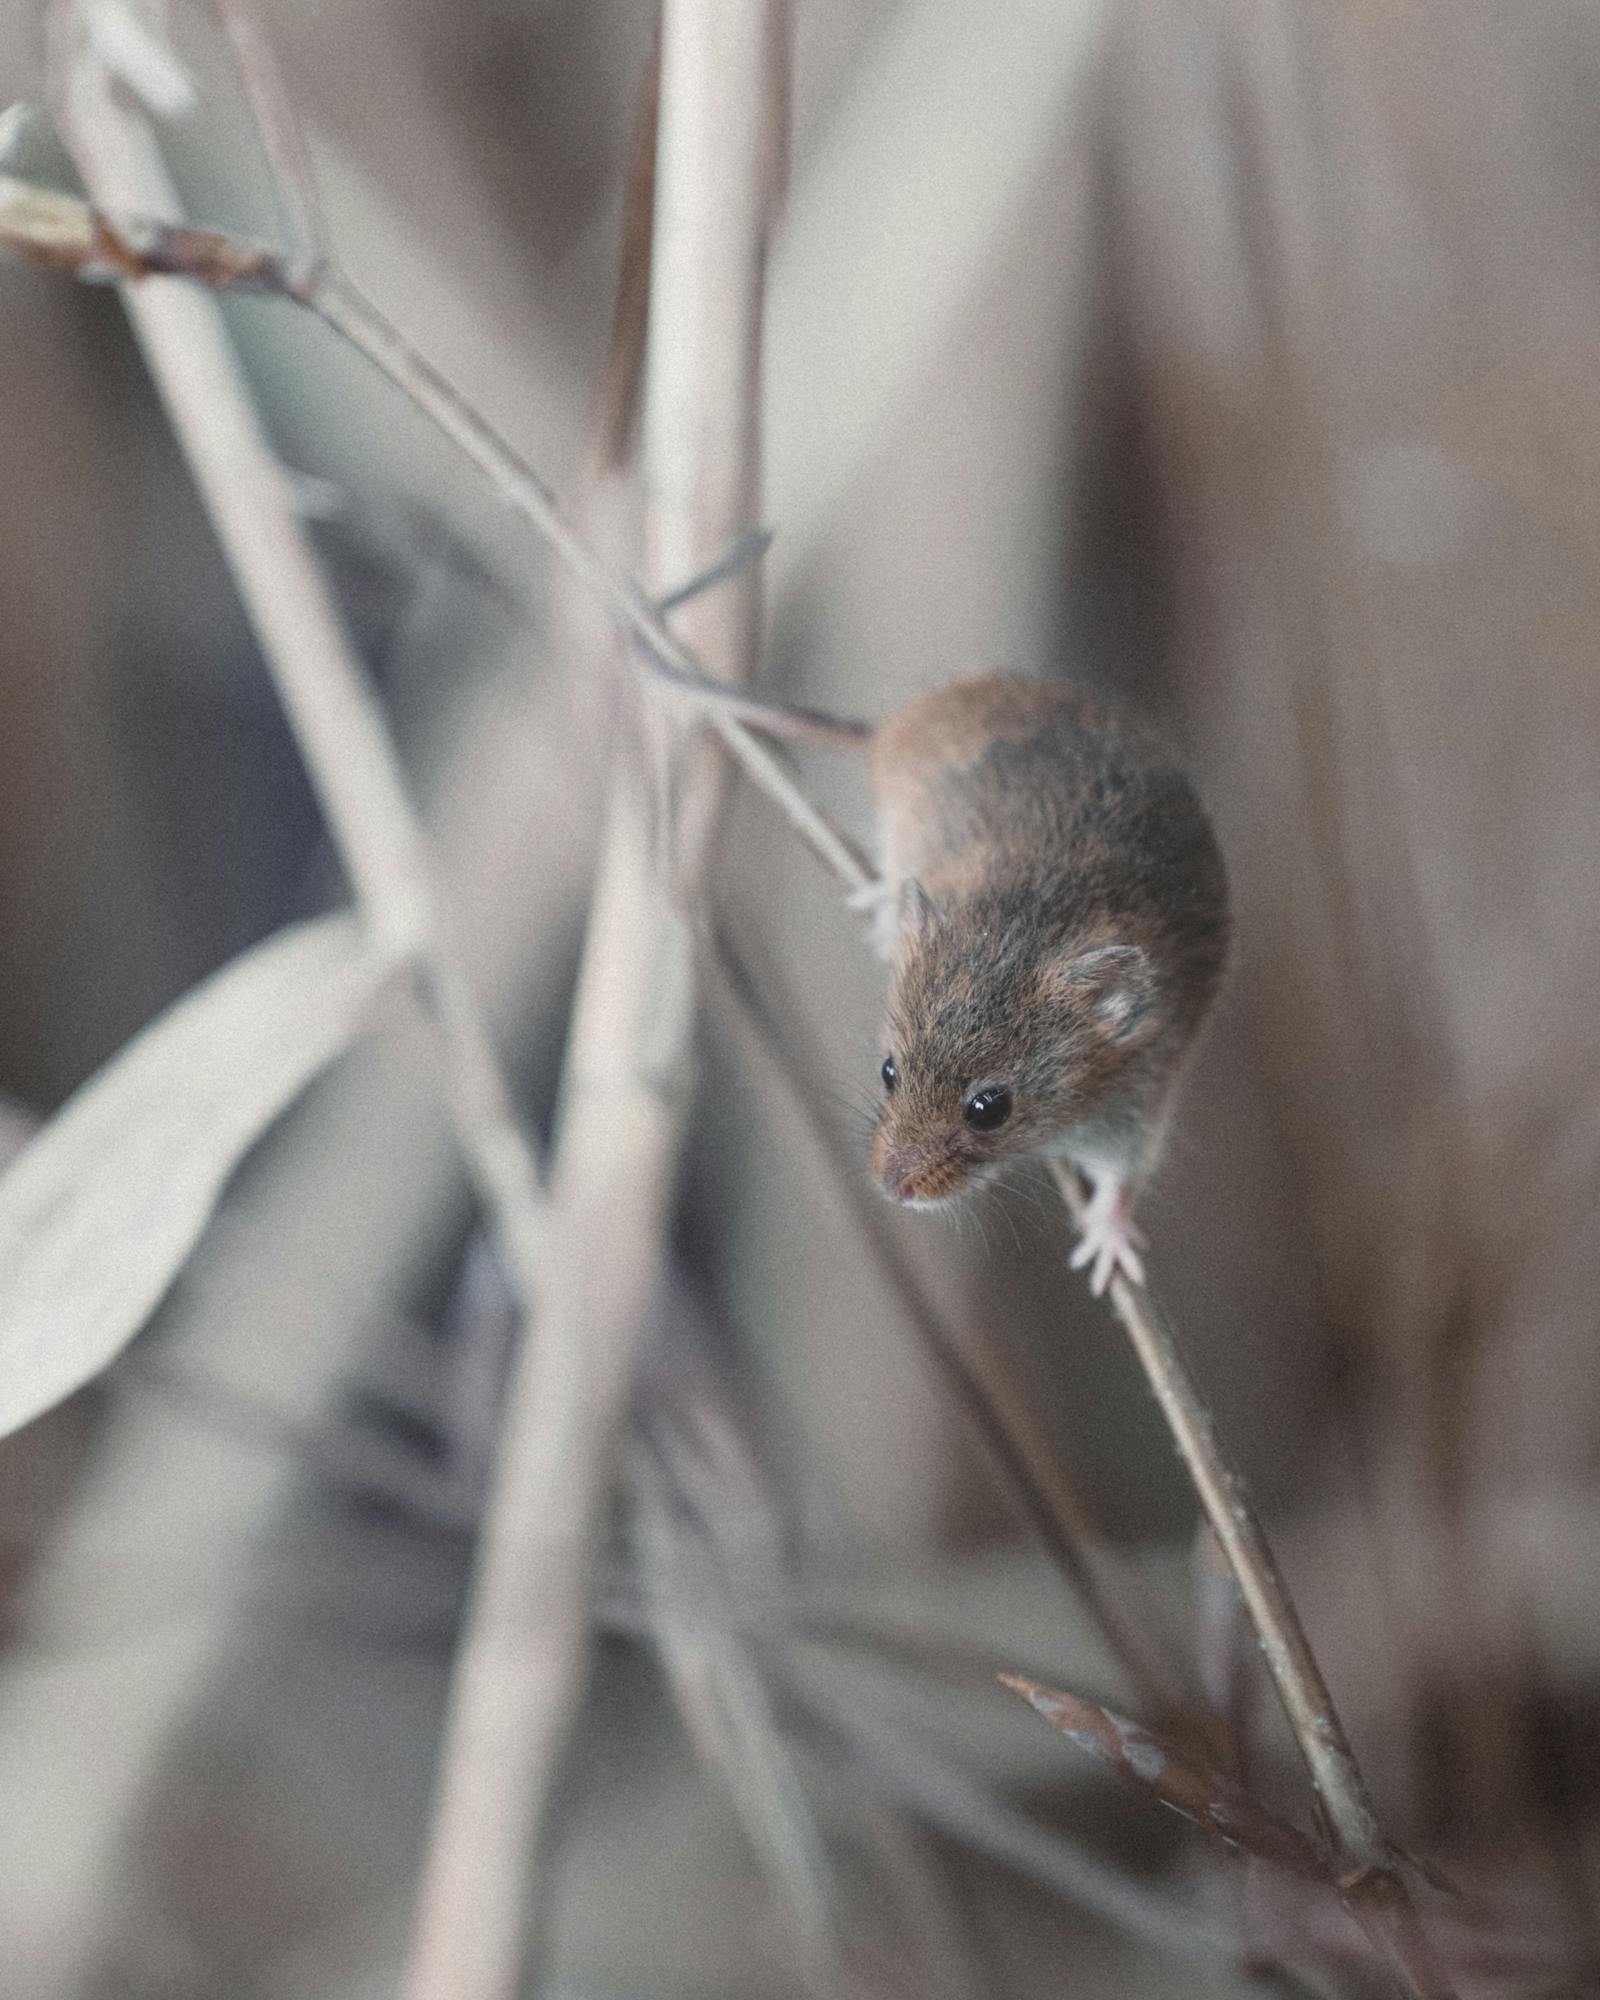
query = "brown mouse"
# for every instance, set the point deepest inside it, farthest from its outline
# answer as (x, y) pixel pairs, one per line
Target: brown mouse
(1054, 909)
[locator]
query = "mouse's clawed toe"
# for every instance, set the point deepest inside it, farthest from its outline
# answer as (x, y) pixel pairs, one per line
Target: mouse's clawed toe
(1109, 1242)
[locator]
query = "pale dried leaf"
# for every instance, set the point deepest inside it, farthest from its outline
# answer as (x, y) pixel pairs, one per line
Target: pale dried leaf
(1180, 1779)
(47, 227)
(101, 1210)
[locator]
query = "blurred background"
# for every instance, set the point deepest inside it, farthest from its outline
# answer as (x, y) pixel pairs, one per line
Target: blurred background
(1240, 358)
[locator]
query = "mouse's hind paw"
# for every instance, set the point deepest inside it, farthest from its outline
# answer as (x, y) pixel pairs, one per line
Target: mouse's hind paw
(1108, 1240)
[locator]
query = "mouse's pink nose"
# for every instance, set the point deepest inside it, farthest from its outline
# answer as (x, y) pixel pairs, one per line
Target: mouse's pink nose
(920, 1173)
(899, 1178)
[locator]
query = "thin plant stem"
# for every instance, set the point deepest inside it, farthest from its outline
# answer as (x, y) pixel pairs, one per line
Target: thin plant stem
(1369, 1879)
(720, 1684)
(340, 306)
(283, 138)
(627, 1080)
(62, 234)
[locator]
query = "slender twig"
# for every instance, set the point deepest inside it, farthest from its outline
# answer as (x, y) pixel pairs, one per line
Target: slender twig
(675, 664)
(749, 548)
(62, 234)
(1369, 1879)
(337, 302)
(1224, 1658)
(283, 137)
(336, 718)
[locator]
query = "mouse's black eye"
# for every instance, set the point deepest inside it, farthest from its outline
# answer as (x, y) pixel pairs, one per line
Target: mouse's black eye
(891, 1076)
(985, 1110)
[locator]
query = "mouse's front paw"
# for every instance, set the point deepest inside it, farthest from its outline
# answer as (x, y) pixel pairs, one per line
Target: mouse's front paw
(1108, 1240)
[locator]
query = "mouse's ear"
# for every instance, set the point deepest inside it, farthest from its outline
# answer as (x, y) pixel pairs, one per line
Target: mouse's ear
(917, 912)
(1118, 983)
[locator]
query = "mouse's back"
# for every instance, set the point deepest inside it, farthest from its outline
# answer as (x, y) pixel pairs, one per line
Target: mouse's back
(1043, 790)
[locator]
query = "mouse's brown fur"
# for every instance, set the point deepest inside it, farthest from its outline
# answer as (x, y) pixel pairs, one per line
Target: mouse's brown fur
(1061, 926)
(1055, 909)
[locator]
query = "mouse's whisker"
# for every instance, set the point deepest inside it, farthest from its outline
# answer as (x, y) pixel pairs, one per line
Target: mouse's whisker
(993, 1193)
(1042, 1214)
(1018, 1186)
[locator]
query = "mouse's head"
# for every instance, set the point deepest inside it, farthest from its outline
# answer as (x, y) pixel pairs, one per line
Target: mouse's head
(1003, 1033)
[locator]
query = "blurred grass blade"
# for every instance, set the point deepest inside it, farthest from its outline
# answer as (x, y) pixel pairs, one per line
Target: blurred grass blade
(101, 1210)
(1177, 1778)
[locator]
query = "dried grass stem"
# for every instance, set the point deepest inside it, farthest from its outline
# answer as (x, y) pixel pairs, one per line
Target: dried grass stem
(1370, 1881)
(337, 720)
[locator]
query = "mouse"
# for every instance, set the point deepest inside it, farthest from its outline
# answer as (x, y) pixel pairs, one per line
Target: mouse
(1053, 906)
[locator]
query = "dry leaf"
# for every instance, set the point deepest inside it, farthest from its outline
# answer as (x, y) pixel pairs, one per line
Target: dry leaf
(101, 1209)
(1177, 1779)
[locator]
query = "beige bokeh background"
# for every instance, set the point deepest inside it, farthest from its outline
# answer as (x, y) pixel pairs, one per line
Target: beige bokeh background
(1238, 357)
